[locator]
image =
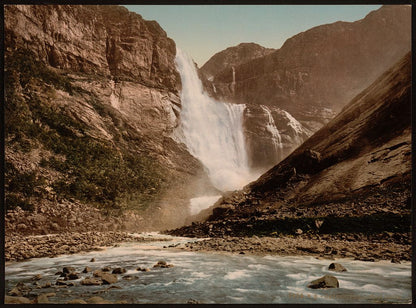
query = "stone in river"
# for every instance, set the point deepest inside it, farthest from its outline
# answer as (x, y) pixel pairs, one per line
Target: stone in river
(324, 282)
(336, 267)
(91, 281)
(118, 270)
(108, 278)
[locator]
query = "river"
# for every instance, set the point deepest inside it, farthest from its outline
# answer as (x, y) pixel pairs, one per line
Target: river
(217, 277)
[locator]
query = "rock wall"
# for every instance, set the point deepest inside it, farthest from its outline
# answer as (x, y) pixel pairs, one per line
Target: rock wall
(100, 40)
(111, 76)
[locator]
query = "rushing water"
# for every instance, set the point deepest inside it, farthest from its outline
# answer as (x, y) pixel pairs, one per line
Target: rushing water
(212, 130)
(276, 137)
(219, 278)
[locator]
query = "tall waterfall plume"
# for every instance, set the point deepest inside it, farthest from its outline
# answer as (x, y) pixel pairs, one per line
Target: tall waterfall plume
(212, 130)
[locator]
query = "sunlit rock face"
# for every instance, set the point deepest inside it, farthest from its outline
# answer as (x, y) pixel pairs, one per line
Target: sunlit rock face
(100, 39)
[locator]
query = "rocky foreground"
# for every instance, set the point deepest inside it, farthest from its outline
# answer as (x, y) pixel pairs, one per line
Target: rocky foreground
(19, 248)
(31, 291)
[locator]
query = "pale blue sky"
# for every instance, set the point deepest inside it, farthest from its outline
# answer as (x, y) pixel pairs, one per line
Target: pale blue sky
(203, 30)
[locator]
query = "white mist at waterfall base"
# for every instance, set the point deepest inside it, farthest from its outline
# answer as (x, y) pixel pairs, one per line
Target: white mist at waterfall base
(201, 203)
(212, 130)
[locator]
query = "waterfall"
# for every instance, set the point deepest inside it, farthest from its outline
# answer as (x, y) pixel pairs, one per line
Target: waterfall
(233, 83)
(272, 129)
(212, 130)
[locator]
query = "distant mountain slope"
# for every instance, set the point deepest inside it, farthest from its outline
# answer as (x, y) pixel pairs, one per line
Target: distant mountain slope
(311, 77)
(353, 175)
(323, 67)
(233, 56)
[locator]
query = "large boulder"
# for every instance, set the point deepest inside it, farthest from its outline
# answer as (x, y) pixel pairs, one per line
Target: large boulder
(325, 282)
(109, 278)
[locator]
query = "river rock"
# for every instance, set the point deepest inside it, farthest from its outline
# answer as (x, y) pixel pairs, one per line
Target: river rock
(97, 273)
(14, 292)
(324, 282)
(106, 269)
(68, 269)
(192, 301)
(142, 269)
(162, 264)
(16, 300)
(109, 278)
(118, 270)
(92, 260)
(72, 276)
(91, 281)
(336, 267)
(44, 298)
(86, 269)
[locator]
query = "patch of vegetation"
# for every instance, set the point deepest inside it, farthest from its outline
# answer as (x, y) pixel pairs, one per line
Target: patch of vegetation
(21, 186)
(95, 171)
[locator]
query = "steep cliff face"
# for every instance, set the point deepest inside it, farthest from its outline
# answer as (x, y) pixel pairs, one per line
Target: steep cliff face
(351, 176)
(316, 72)
(100, 40)
(91, 102)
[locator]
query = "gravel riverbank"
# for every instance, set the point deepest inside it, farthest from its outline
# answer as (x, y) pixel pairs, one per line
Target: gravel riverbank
(19, 248)
(327, 246)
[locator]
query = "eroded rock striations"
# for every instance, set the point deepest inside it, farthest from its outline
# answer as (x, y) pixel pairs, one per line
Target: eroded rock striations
(91, 102)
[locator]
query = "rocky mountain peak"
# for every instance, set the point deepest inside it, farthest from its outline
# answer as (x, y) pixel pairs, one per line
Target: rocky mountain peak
(233, 56)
